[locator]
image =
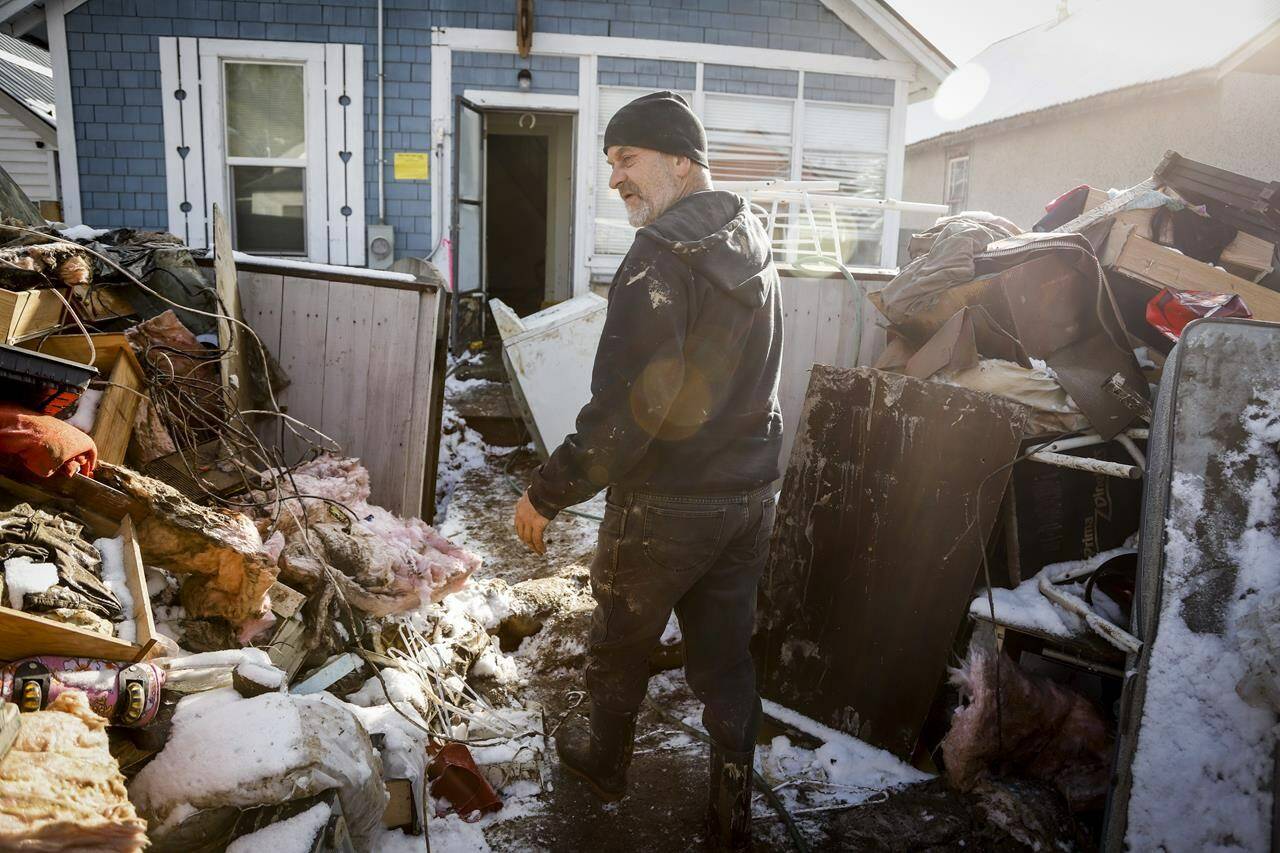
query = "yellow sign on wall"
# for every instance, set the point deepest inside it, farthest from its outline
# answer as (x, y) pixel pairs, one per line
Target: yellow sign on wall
(412, 166)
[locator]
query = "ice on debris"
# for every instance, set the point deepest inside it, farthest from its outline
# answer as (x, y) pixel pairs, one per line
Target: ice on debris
(22, 575)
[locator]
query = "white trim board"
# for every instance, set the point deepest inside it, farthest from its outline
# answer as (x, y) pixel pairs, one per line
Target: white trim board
(562, 44)
(536, 101)
(68, 163)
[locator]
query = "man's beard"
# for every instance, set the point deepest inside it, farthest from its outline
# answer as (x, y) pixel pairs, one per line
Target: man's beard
(639, 212)
(644, 209)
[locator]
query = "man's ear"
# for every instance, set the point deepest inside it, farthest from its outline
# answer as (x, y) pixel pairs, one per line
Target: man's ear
(682, 166)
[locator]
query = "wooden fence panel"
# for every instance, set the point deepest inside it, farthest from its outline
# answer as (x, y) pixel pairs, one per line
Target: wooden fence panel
(360, 355)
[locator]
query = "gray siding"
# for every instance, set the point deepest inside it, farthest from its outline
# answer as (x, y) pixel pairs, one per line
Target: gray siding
(115, 74)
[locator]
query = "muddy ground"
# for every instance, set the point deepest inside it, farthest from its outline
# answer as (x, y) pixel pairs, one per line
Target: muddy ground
(663, 810)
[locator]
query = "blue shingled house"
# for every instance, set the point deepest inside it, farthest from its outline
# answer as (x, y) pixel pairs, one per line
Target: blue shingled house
(357, 132)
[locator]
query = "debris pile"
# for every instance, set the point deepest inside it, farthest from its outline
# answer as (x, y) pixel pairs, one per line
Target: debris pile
(1035, 476)
(239, 635)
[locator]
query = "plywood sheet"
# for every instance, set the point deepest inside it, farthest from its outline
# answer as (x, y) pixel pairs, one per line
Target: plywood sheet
(893, 486)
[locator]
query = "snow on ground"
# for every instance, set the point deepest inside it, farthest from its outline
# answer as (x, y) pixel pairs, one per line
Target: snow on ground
(1026, 607)
(461, 448)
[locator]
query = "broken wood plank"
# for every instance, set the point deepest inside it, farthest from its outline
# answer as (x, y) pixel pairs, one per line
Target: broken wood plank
(1159, 266)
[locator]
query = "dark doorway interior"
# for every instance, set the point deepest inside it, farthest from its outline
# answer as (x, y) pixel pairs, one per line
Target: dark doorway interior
(516, 209)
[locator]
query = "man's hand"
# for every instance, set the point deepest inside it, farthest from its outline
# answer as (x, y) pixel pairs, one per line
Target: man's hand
(530, 524)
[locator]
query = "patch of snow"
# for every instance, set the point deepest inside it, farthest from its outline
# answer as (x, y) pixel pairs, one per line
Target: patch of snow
(230, 658)
(268, 676)
(461, 450)
(112, 551)
(854, 769)
(327, 269)
(23, 575)
(294, 835)
(496, 665)
(82, 232)
(1203, 766)
(86, 410)
(671, 634)
(1026, 607)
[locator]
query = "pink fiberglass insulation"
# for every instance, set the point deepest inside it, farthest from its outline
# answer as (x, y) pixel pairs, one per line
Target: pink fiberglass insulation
(1046, 731)
(420, 564)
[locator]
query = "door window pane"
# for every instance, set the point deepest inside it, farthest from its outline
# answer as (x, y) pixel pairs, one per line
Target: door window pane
(269, 209)
(265, 110)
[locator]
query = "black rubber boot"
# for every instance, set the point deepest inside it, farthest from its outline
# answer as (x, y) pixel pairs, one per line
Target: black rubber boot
(729, 810)
(602, 754)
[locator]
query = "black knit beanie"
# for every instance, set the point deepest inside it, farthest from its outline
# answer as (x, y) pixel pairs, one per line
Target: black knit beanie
(661, 121)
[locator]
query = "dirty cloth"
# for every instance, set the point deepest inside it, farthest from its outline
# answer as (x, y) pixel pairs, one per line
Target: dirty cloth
(59, 539)
(60, 788)
(1047, 732)
(229, 751)
(164, 264)
(44, 444)
(942, 257)
(388, 564)
(1051, 408)
(225, 569)
(702, 557)
(684, 392)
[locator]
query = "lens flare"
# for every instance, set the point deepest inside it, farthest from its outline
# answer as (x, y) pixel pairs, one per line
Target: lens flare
(962, 91)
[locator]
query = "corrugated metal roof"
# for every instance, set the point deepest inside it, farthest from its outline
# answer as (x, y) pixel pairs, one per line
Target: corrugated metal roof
(1101, 46)
(26, 75)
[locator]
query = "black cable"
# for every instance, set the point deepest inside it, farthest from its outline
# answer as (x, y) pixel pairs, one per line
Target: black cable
(760, 781)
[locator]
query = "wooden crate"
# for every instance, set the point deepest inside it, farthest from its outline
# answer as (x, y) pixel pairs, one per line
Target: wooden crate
(27, 313)
(26, 634)
(116, 362)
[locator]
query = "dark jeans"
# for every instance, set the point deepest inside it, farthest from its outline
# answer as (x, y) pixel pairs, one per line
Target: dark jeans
(702, 557)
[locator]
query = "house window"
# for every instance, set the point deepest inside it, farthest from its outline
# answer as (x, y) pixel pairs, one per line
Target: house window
(748, 139)
(752, 139)
(272, 133)
(266, 159)
(956, 191)
(850, 146)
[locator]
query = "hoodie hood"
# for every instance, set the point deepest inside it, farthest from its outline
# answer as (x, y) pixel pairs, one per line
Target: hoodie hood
(716, 235)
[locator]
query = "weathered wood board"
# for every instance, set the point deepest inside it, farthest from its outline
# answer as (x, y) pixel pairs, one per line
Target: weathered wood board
(893, 487)
(360, 354)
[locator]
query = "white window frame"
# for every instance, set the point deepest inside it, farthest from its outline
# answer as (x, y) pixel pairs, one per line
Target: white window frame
(588, 49)
(311, 163)
(956, 204)
(196, 161)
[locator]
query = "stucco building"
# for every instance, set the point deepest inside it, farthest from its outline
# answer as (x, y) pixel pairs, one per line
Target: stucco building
(1096, 97)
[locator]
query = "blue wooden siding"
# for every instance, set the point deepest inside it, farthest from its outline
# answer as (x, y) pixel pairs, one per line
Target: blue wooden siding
(115, 74)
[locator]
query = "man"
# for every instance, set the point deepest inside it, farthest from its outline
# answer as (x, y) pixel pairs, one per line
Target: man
(684, 429)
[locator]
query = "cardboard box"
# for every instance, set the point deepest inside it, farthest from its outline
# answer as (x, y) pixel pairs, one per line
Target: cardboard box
(28, 313)
(1248, 256)
(26, 634)
(115, 360)
(1139, 220)
(1159, 266)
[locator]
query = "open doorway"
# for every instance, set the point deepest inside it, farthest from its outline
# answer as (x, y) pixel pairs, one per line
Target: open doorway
(512, 215)
(528, 208)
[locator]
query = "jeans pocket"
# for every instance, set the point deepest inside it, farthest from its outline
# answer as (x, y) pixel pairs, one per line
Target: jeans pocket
(682, 540)
(768, 515)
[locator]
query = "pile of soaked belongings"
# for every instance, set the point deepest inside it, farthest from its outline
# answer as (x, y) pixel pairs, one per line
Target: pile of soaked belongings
(180, 613)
